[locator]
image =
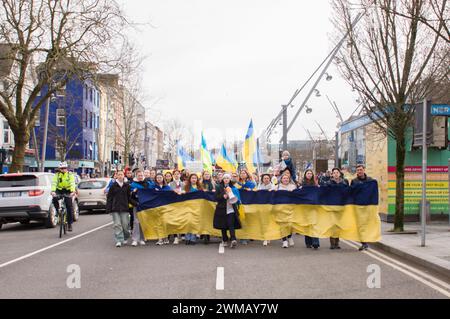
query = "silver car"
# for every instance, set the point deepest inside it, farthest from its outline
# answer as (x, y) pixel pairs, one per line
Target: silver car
(92, 194)
(25, 197)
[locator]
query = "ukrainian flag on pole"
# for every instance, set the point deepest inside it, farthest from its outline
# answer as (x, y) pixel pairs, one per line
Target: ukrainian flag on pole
(181, 158)
(223, 160)
(249, 151)
(206, 156)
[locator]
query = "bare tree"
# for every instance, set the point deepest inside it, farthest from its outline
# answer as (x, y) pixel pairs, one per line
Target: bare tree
(130, 113)
(66, 38)
(175, 132)
(389, 59)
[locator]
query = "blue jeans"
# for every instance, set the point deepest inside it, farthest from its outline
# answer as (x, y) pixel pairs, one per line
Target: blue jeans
(191, 237)
(312, 241)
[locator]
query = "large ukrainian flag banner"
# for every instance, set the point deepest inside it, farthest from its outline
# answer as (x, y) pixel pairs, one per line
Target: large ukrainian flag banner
(332, 211)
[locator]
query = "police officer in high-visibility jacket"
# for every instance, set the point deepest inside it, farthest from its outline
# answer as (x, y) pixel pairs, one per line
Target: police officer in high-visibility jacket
(64, 184)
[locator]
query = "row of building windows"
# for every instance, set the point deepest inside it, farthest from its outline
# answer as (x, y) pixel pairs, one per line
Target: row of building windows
(90, 150)
(91, 120)
(92, 95)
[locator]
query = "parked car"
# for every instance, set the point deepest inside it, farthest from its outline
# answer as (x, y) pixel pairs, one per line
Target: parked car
(91, 194)
(26, 197)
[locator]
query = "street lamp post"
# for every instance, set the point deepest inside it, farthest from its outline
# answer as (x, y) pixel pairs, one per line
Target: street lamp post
(424, 172)
(44, 142)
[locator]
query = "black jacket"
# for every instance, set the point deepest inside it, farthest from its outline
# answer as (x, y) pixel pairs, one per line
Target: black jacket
(358, 180)
(220, 215)
(343, 181)
(119, 198)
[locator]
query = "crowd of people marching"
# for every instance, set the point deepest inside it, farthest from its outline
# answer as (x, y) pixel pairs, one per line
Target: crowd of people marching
(122, 198)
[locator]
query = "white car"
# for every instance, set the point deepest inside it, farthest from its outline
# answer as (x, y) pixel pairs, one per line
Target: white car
(91, 193)
(26, 197)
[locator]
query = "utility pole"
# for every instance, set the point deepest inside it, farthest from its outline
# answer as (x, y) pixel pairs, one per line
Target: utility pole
(424, 172)
(285, 127)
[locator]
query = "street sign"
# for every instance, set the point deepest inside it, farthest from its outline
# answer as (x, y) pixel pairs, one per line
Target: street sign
(440, 110)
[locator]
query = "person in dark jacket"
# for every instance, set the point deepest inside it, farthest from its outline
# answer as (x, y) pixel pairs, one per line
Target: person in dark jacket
(310, 181)
(119, 197)
(226, 216)
(361, 178)
(336, 179)
(208, 186)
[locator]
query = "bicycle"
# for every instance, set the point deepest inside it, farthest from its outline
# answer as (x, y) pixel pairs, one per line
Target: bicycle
(62, 214)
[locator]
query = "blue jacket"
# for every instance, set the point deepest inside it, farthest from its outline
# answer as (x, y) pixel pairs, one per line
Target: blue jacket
(291, 168)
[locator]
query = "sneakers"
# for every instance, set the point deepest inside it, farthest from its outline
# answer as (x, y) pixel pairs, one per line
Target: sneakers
(134, 243)
(285, 244)
(160, 242)
(176, 241)
(291, 242)
(364, 247)
(166, 241)
(265, 243)
(142, 243)
(233, 244)
(224, 244)
(119, 244)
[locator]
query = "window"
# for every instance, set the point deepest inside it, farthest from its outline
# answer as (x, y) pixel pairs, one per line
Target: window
(91, 120)
(91, 93)
(37, 120)
(95, 151)
(59, 148)
(6, 133)
(86, 118)
(86, 90)
(61, 91)
(92, 185)
(85, 149)
(60, 117)
(90, 150)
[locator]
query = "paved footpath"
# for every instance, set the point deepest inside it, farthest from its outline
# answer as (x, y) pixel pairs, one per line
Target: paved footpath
(33, 264)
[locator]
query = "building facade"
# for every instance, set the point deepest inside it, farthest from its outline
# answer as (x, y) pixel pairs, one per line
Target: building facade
(73, 127)
(361, 143)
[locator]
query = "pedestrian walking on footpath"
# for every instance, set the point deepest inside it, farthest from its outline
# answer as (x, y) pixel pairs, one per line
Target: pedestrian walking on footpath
(226, 216)
(139, 183)
(192, 185)
(118, 199)
(361, 178)
(287, 184)
(336, 179)
(310, 181)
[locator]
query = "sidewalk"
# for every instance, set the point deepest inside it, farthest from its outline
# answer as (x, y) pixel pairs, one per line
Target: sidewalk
(436, 254)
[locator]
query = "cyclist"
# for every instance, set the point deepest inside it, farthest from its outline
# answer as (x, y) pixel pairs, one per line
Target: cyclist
(64, 184)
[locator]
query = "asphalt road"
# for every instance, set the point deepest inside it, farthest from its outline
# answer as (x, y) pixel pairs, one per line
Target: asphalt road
(251, 271)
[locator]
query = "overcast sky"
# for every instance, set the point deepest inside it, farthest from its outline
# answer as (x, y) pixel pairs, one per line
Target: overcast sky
(217, 64)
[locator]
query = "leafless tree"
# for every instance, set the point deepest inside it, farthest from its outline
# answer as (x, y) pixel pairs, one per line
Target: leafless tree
(389, 60)
(175, 131)
(64, 39)
(130, 112)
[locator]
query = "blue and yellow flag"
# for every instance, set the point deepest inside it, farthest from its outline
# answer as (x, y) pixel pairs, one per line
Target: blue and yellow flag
(249, 150)
(337, 211)
(182, 157)
(206, 156)
(225, 162)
